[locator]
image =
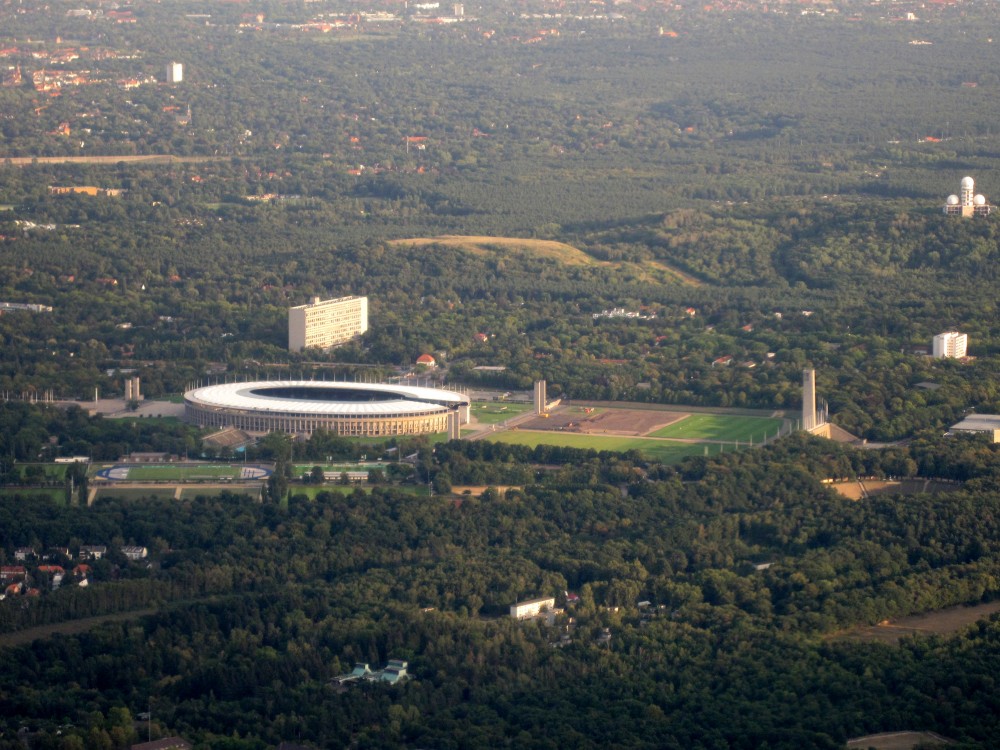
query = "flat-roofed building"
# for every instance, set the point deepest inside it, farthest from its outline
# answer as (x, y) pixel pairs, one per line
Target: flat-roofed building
(326, 323)
(532, 607)
(985, 424)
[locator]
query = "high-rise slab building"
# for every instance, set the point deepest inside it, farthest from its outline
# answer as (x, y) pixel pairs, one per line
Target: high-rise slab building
(175, 72)
(950, 344)
(326, 323)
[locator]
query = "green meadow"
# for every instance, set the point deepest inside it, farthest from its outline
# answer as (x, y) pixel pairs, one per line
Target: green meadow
(657, 450)
(720, 427)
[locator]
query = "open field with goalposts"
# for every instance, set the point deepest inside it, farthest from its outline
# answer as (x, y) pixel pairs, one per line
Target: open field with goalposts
(721, 427)
(686, 434)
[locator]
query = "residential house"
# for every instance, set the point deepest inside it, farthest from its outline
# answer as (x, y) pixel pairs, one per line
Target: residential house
(12, 573)
(135, 553)
(24, 553)
(93, 551)
(167, 743)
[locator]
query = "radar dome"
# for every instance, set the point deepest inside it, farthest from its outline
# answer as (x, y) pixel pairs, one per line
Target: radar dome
(952, 200)
(979, 200)
(968, 183)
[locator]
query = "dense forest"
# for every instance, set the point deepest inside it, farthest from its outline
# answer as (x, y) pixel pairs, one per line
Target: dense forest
(260, 605)
(763, 183)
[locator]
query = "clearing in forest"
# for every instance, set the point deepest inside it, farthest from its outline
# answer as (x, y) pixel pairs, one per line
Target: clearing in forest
(482, 245)
(941, 622)
(862, 488)
(899, 741)
(551, 249)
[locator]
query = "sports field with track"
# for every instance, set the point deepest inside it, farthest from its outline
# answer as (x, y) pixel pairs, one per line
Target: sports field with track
(189, 472)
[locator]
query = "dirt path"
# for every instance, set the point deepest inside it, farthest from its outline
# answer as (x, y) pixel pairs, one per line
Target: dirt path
(21, 161)
(70, 627)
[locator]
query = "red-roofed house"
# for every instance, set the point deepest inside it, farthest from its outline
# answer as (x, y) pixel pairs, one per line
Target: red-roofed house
(12, 573)
(426, 360)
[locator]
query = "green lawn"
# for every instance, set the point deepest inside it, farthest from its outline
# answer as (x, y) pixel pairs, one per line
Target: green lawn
(720, 427)
(494, 412)
(56, 495)
(656, 450)
(145, 493)
(52, 472)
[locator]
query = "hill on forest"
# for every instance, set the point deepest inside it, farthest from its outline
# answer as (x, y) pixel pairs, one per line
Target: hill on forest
(560, 252)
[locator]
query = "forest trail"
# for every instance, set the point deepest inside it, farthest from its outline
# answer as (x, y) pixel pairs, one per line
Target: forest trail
(20, 161)
(70, 627)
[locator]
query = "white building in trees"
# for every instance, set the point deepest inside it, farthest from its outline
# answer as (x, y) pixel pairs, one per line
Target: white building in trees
(950, 344)
(326, 323)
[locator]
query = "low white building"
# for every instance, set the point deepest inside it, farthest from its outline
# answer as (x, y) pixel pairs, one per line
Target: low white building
(981, 423)
(532, 607)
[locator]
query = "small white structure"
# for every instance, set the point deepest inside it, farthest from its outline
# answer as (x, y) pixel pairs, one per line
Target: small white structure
(93, 551)
(531, 608)
(950, 344)
(967, 203)
(175, 72)
(361, 671)
(133, 552)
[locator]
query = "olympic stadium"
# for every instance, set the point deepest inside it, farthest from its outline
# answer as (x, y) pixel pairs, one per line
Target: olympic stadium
(302, 406)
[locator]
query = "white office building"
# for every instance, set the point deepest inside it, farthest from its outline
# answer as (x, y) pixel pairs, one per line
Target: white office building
(175, 72)
(326, 323)
(532, 607)
(950, 344)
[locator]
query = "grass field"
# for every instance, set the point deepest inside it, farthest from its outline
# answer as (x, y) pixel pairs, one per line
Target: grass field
(56, 495)
(720, 427)
(657, 450)
(52, 472)
(145, 493)
(494, 412)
